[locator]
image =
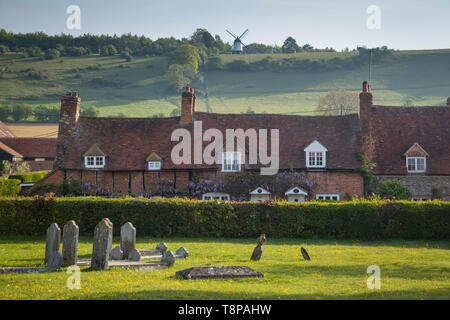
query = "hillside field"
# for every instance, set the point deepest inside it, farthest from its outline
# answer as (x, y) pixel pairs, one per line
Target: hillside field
(139, 88)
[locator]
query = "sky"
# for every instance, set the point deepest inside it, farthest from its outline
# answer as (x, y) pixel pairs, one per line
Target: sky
(340, 24)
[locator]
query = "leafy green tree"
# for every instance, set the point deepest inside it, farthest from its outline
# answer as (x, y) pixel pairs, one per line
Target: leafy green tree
(34, 52)
(53, 114)
(52, 54)
(41, 113)
(179, 75)
(109, 50)
(291, 42)
(185, 55)
(89, 112)
(203, 36)
(21, 112)
(393, 190)
(5, 112)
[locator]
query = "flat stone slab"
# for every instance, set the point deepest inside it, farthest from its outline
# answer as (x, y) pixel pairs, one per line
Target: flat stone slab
(230, 272)
(125, 264)
(25, 270)
(149, 252)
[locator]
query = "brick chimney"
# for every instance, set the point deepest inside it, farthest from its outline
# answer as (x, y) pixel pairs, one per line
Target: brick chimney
(365, 108)
(448, 102)
(68, 118)
(187, 105)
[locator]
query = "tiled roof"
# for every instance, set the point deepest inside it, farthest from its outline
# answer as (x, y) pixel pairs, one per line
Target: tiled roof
(9, 150)
(5, 131)
(396, 129)
(127, 142)
(32, 147)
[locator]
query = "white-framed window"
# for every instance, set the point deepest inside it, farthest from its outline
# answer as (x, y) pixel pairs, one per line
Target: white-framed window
(330, 197)
(316, 155)
(416, 164)
(154, 165)
(216, 196)
(231, 161)
(94, 161)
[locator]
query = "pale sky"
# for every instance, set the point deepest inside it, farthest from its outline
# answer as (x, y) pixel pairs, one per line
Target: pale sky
(405, 24)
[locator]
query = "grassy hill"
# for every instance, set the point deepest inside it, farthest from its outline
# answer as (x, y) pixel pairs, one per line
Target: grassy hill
(139, 88)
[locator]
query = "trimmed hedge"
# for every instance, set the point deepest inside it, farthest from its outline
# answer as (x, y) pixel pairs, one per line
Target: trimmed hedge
(359, 219)
(9, 187)
(29, 177)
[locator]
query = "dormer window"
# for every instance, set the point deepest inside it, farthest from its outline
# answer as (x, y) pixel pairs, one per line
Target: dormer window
(316, 155)
(94, 161)
(154, 161)
(231, 161)
(154, 165)
(416, 159)
(94, 158)
(416, 164)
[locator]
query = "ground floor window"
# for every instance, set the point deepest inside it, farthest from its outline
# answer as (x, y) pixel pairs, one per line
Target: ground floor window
(216, 196)
(333, 197)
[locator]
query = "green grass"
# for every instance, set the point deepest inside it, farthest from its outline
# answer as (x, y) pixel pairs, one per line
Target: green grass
(139, 88)
(409, 270)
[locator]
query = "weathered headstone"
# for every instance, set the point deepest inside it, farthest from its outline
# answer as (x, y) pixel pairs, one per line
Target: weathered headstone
(169, 258)
(127, 239)
(219, 273)
(70, 243)
(134, 255)
(53, 240)
(102, 245)
(182, 252)
(116, 253)
(261, 239)
(305, 254)
(257, 252)
(55, 261)
(162, 247)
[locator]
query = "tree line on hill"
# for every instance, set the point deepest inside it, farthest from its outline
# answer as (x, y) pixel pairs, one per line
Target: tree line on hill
(22, 112)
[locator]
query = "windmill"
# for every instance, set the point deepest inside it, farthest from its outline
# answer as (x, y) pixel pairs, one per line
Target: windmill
(237, 45)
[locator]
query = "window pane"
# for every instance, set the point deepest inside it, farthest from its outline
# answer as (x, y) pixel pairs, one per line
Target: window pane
(420, 164)
(411, 164)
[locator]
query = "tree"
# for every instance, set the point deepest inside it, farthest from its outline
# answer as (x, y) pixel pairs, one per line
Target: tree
(90, 112)
(5, 112)
(393, 190)
(52, 54)
(21, 112)
(203, 36)
(179, 75)
(108, 50)
(3, 49)
(291, 42)
(185, 55)
(41, 113)
(339, 102)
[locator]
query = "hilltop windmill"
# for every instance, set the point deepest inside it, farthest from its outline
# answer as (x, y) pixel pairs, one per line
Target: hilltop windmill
(237, 45)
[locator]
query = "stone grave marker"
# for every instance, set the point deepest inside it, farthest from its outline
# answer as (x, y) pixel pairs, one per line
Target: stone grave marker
(169, 258)
(102, 245)
(127, 239)
(134, 255)
(55, 261)
(116, 253)
(53, 240)
(70, 244)
(219, 273)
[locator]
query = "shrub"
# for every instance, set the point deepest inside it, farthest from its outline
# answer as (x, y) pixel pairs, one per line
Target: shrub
(29, 177)
(21, 112)
(9, 187)
(393, 190)
(3, 49)
(52, 54)
(37, 75)
(109, 50)
(358, 219)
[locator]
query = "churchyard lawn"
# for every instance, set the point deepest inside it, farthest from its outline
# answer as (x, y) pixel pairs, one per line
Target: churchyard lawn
(337, 270)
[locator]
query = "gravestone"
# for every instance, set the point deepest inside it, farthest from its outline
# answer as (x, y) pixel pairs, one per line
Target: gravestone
(102, 245)
(261, 239)
(70, 243)
(257, 252)
(116, 253)
(55, 261)
(182, 252)
(134, 255)
(219, 273)
(169, 258)
(127, 239)
(305, 254)
(53, 240)
(162, 247)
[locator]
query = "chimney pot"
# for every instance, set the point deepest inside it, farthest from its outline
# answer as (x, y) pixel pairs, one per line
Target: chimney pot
(366, 87)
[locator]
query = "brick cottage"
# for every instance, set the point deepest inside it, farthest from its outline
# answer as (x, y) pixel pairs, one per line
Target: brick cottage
(133, 155)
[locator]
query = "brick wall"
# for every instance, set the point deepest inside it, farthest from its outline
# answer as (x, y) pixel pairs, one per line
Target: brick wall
(422, 186)
(346, 184)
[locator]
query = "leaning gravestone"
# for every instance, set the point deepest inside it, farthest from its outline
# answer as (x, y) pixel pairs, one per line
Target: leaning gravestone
(257, 252)
(219, 273)
(169, 258)
(127, 239)
(102, 245)
(162, 247)
(53, 240)
(182, 252)
(305, 254)
(70, 244)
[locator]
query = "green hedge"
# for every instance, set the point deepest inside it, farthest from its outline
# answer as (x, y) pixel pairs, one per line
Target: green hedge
(29, 177)
(9, 187)
(361, 219)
